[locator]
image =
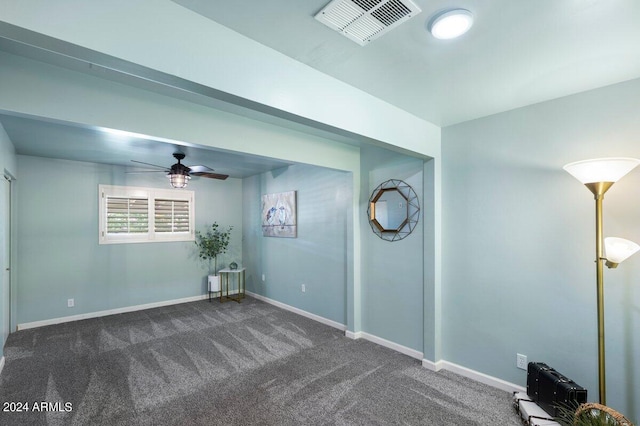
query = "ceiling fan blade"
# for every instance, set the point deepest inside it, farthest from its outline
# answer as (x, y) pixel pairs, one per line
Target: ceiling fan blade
(200, 169)
(149, 164)
(203, 171)
(137, 172)
(210, 175)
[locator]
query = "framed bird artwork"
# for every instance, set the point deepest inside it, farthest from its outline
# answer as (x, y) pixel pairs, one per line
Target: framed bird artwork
(279, 215)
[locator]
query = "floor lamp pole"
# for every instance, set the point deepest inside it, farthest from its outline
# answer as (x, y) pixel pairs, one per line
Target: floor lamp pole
(602, 386)
(598, 189)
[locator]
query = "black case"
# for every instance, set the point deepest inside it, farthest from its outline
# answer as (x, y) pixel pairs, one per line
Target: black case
(551, 389)
(533, 378)
(556, 390)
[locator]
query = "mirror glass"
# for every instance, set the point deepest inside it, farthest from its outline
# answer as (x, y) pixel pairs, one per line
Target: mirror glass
(393, 210)
(390, 210)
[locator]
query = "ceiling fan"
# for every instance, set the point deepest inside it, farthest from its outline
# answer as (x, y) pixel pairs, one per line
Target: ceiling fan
(179, 174)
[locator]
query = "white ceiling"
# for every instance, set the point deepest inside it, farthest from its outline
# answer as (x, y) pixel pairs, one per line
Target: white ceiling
(518, 52)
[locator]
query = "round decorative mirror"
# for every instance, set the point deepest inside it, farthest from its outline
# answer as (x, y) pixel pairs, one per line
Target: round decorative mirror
(393, 210)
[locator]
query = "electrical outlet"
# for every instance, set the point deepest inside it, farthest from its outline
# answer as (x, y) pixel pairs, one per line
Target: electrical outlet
(263, 277)
(70, 303)
(521, 361)
(303, 288)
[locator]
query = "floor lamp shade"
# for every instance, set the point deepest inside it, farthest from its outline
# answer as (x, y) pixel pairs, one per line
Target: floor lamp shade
(617, 250)
(601, 169)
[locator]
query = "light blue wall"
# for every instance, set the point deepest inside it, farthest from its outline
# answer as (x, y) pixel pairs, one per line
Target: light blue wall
(111, 105)
(519, 242)
(432, 254)
(8, 153)
(58, 252)
(318, 257)
(392, 272)
(7, 166)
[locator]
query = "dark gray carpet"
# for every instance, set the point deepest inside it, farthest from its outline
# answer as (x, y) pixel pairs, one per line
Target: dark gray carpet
(207, 363)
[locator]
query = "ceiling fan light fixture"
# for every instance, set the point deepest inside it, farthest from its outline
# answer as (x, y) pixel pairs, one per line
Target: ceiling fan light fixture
(178, 180)
(179, 173)
(450, 23)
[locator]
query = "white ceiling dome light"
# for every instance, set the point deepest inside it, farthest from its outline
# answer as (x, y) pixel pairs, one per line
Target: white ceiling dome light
(450, 23)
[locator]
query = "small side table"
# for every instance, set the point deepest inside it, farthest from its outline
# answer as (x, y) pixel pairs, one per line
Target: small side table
(224, 283)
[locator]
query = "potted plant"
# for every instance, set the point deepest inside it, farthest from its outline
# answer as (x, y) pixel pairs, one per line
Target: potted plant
(211, 243)
(591, 414)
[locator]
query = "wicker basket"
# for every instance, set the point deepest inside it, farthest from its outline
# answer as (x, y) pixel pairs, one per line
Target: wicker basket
(595, 409)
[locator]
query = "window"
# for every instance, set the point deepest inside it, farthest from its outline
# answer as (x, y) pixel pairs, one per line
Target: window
(137, 215)
(171, 216)
(127, 215)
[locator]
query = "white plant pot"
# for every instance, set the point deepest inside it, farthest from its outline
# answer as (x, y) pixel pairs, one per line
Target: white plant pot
(214, 282)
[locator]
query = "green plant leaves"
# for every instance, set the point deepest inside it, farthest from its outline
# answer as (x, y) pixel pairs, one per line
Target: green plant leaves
(213, 242)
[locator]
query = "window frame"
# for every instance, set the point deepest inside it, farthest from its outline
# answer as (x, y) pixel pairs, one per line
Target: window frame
(151, 194)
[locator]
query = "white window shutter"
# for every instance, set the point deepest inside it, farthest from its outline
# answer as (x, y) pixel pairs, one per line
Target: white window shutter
(142, 215)
(127, 215)
(171, 216)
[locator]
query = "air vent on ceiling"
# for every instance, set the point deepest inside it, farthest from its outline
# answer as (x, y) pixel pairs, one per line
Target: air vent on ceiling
(366, 20)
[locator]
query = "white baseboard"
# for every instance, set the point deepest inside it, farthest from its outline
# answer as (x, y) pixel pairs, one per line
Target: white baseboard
(351, 335)
(298, 311)
(384, 342)
(441, 364)
(473, 375)
(1, 364)
(89, 315)
(433, 366)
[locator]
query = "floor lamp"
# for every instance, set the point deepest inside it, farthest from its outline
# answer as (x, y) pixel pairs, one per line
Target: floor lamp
(599, 175)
